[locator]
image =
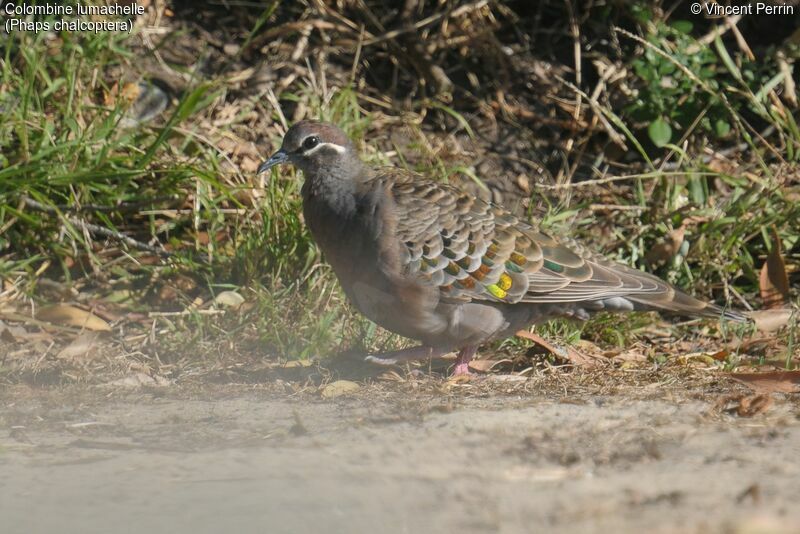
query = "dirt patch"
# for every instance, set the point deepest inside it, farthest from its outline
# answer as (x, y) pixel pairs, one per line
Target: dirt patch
(396, 457)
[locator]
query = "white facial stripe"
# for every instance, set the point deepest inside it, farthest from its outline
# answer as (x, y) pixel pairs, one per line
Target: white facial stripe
(338, 148)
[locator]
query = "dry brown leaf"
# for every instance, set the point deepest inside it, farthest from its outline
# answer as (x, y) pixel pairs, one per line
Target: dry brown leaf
(630, 355)
(667, 248)
(229, 299)
(721, 165)
(773, 281)
(11, 333)
(110, 96)
(108, 311)
(753, 405)
(771, 381)
(339, 388)
(18, 334)
(744, 405)
(130, 92)
(292, 364)
(127, 94)
(771, 320)
(484, 366)
(455, 380)
(249, 165)
(66, 314)
(567, 353)
(708, 357)
(757, 345)
(83, 347)
(721, 355)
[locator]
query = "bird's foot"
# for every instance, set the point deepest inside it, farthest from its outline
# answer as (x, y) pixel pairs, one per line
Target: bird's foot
(462, 362)
(423, 352)
(395, 357)
(461, 369)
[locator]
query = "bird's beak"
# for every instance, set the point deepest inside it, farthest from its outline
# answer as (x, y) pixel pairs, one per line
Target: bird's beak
(276, 159)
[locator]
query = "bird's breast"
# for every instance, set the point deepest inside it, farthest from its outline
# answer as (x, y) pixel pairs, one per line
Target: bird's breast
(346, 240)
(363, 254)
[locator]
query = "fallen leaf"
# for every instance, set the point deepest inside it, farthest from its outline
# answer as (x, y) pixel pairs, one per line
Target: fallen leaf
(771, 381)
(753, 405)
(484, 366)
(773, 281)
(18, 334)
(65, 314)
(110, 96)
(249, 165)
(630, 355)
(758, 345)
(11, 333)
(567, 353)
(455, 380)
(585, 345)
(229, 299)
(82, 347)
(104, 310)
(707, 357)
(295, 363)
(743, 405)
(703, 357)
(771, 320)
(125, 95)
(721, 355)
(339, 388)
(666, 248)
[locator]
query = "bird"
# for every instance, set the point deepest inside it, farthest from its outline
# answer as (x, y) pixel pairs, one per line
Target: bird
(433, 263)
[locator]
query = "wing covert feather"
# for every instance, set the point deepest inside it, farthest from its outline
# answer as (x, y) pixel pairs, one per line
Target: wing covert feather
(474, 250)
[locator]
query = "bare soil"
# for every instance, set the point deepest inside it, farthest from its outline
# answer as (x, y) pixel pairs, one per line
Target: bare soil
(552, 454)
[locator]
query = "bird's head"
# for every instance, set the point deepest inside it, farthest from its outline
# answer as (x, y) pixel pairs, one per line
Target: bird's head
(312, 146)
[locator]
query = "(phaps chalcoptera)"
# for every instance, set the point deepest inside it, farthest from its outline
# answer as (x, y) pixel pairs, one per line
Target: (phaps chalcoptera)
(430, 262)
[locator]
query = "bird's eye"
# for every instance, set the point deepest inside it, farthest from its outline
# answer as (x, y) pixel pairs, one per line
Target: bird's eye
(310, 142)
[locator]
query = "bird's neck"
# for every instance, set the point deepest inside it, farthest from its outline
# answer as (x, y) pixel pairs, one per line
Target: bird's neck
(335, 188)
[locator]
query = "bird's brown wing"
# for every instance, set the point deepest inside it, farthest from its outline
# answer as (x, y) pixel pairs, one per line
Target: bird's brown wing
(473, 250)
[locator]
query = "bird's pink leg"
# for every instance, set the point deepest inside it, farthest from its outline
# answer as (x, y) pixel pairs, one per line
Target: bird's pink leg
(462, 361)
(421, 352)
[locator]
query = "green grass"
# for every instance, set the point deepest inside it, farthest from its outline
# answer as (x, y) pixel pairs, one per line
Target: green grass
(63, 148)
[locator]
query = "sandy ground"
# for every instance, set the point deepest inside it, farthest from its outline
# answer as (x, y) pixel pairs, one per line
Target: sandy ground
(247, 459)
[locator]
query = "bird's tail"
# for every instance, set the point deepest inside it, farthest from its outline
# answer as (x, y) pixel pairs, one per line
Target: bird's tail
(680, 303)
